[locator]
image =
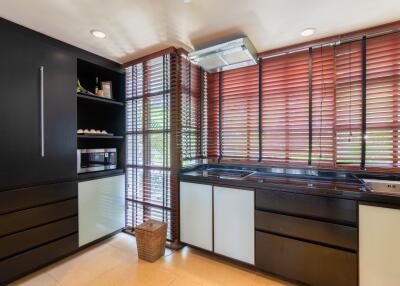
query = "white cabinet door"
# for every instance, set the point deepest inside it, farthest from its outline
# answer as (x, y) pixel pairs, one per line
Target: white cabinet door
(234, 223)
(379, 250)
(101, 207)
(196, 215)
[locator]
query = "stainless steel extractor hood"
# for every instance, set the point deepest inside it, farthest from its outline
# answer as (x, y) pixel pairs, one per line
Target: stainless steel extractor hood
(225, 56)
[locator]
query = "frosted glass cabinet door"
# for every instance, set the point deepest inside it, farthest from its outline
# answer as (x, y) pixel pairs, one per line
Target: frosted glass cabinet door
(234, 223)
(379, 235)
(101, 207)
(196, 215)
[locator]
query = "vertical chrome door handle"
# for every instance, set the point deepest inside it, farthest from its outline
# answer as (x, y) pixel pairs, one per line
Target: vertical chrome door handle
(42, 111)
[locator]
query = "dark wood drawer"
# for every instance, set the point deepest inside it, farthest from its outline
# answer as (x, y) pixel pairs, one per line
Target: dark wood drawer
(22, 241)
(313, 230)
(310, 206)
(29, 261)
(22, 220)
(305, 262)
(14, 200)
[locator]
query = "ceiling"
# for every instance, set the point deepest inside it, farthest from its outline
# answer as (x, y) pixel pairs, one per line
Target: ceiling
(137, 27)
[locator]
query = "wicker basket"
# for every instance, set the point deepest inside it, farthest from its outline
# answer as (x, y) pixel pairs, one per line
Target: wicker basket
(150, 239)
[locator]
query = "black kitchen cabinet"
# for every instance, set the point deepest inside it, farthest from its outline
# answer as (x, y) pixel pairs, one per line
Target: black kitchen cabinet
(22, 54)
(305, 262)
(38, 192)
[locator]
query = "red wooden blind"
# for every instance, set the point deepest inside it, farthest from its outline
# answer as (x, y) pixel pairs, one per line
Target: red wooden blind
(285, 109)
(323, 107)
(239, 110)
(346, 101)
(348, 104)
(383, 92)
(213, 117)
(191, 113)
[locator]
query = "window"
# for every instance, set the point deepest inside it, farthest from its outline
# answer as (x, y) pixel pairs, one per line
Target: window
(192, 116)
(383, 92)
(235, 92)
(285, 109)
(323, 107)
(239, 113)
(148, 131)
(213, 117)
(333, 106)
(348, 62)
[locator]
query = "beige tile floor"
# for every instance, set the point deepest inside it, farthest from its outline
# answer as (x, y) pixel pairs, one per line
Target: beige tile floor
(115, 262)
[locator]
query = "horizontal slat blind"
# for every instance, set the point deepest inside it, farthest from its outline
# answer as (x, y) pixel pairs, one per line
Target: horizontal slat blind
(348, 65)
(204, 116)
(323, 107)
(240, 114)
(335, 75)
(383, 91)
(285, 109)
(191, 116)
(148, 142)
(213, 114)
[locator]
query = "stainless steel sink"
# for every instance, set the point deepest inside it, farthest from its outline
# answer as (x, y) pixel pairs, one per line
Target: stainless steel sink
(232, 174)
(383, 186)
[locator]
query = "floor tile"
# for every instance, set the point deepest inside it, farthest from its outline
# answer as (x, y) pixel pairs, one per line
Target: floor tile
(114, 262)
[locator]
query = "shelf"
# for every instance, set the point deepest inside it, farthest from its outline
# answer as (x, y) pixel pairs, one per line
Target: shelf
(99, 137)
(97, 99)
(99, 174)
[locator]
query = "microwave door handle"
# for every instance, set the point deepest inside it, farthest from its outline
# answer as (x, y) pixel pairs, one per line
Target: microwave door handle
(42, 111)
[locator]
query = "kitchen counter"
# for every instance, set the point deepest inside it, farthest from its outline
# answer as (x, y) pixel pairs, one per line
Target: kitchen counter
(329, 183)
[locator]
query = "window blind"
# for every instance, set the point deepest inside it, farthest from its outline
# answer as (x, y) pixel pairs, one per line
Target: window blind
(213, 117)
(285, 107)
(148, 142)
(239, 114)
(323, 107)
(383, 91)
(315, 107)
(192, 117)
(348, 115)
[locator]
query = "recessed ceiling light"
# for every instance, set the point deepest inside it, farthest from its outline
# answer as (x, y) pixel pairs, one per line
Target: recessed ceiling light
(308, 32)
(98, 34)
(187, 1)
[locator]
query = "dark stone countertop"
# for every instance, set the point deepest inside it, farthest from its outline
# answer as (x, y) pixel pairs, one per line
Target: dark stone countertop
(339, 184)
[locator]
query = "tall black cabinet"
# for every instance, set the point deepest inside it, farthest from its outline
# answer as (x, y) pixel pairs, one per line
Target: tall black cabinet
(38, 149)
(22, 56)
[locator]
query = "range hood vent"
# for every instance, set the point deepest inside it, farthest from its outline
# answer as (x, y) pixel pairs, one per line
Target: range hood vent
(226, 56)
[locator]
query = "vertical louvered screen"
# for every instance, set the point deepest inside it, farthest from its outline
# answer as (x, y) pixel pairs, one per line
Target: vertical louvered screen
(148, 142)
(191, 113)
(323, 107)
(348, 66)
(285, 101)
(239, 114)
(383, 92)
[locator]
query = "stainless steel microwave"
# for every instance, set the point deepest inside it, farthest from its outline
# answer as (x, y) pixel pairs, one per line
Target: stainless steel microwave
(93, 160)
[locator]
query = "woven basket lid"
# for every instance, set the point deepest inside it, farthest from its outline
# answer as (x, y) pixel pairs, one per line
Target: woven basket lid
(150, 225)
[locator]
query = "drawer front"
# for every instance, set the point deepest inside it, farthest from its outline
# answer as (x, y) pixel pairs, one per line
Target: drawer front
(14, 200)
(322, 232)
(305, 262)
(310, 206)
(29, 218)
(29, 261)
(22, 241)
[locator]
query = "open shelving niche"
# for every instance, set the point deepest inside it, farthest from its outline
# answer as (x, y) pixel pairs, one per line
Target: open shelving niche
(101, 113)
